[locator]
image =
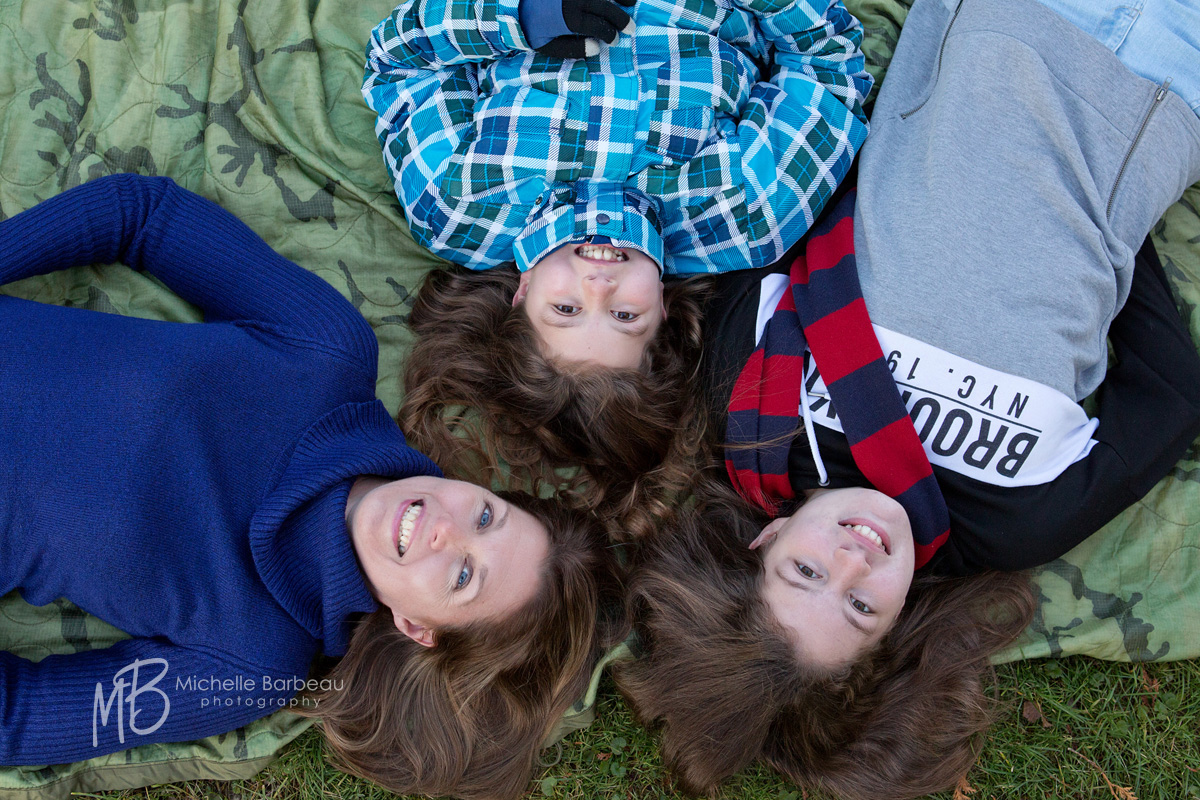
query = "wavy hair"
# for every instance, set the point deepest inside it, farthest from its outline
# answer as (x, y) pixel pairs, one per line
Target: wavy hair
(468, 716)
(721, 679)
(485, 404)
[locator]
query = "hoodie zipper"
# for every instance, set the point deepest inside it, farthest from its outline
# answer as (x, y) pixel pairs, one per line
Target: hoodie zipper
(938, 72)
(1159, 95)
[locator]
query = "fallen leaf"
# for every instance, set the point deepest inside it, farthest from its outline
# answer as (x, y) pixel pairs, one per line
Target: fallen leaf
(1149, 683)
(1031, 712)
(603, 756)
(1150, 687)
(964, 790)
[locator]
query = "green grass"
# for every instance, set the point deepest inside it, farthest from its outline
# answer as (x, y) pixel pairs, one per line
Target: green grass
(1075, 729)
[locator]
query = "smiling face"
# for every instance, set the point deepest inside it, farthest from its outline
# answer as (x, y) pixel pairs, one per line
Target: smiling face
(442, 553)
(837, 571)
(594, 304)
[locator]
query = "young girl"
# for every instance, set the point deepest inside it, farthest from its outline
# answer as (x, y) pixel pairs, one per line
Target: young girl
(667, 151)
(241, 498)
(1016, 165)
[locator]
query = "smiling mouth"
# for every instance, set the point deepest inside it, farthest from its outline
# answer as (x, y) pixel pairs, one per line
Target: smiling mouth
(408, 523)
(870, 534)
(601, 252)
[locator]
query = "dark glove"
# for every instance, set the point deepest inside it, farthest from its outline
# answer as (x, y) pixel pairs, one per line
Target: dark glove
(561, 28)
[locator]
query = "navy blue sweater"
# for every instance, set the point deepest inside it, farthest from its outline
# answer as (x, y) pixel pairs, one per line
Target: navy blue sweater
(185, 482)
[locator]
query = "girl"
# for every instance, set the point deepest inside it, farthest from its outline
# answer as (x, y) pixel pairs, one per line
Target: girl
(1025, 265)
(241, 498)
(668, 151)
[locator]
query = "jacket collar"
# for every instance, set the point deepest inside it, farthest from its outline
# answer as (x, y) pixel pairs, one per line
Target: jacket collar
(573, 213)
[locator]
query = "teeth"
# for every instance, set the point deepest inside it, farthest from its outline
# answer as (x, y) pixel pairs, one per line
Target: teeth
(599, 252)
(868, 532)
(406, 524)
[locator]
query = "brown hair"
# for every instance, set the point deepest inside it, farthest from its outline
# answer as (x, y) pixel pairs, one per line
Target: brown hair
(482, 399)
(720, 677)
(468, 716)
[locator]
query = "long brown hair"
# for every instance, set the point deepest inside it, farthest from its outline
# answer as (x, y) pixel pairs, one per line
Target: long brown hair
(468, 716)
(484, 403)
(719, 675)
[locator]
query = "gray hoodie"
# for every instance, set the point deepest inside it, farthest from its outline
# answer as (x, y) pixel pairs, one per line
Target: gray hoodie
(1023, 263)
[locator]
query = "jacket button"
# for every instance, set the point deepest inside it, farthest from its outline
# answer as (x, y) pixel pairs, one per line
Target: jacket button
(602, 219)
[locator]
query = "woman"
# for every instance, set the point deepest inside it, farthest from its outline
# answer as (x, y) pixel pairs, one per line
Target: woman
(1016, 165)
(232, 495)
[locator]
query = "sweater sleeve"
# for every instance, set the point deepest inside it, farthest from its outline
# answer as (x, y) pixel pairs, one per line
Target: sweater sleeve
(1149, 412)
(800, 131)
(200, 251)
(68, 708)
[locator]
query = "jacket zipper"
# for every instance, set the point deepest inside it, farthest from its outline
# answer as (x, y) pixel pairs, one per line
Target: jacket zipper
(938, 72)
(1159, 94)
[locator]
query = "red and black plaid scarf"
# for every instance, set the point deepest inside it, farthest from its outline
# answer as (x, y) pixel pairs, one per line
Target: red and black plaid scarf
(825, 307)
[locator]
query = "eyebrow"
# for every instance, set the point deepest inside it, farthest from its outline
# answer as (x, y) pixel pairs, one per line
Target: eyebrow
(483, 573)
(633, 329)
(558, 321)
(857, 625)
(791, 581)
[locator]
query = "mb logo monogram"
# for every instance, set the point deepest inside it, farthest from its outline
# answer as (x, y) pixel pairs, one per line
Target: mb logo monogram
(129, 686)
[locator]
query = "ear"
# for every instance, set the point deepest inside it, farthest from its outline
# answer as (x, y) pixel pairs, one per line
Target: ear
(414, 630)
(522, 288)
(768, 533)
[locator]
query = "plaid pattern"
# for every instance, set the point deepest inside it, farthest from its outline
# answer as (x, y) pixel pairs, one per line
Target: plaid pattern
(825, 308)
(669, 141)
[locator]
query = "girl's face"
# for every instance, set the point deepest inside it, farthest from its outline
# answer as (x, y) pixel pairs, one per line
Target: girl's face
(837, 571)
(594, 304)
(442, 553)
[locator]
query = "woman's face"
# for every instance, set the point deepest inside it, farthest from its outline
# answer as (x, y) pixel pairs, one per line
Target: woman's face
(837, 571)
(442, 553)
(593, 304)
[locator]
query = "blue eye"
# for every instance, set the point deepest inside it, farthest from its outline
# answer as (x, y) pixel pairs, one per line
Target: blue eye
(806, 570)
(464, 577)
(485, 518)
(860, 606)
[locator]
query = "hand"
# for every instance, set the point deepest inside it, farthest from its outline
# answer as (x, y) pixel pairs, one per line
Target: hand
(571, 28)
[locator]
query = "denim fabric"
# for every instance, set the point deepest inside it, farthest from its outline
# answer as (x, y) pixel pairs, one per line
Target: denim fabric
(1157, 39)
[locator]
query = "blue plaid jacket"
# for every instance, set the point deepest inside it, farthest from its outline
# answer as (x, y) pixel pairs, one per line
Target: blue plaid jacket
(672, 140)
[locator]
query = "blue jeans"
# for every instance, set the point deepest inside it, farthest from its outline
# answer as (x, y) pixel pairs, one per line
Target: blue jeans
(1157, 39)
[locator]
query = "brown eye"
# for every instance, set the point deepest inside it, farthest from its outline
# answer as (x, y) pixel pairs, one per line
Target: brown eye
(860, 606)
(625, 316)
(566, 309)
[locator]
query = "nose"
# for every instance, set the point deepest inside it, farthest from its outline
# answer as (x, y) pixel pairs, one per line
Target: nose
(443, 534)
(852, 562)
(599, 285)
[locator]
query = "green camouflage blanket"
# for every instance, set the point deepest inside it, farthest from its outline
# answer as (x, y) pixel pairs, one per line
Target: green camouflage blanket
(257, 107)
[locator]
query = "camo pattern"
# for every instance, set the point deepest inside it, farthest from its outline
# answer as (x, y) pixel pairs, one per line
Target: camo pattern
(256, 106)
